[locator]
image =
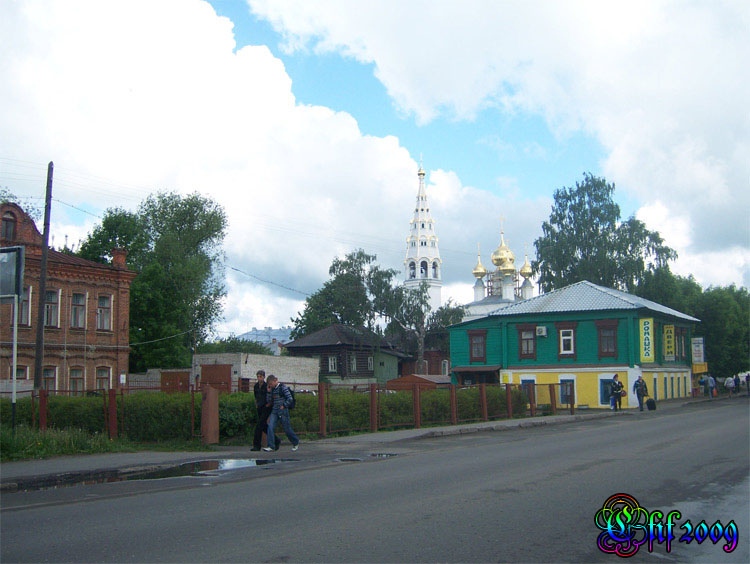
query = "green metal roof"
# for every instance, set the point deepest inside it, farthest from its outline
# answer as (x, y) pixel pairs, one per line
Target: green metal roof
(585, 296)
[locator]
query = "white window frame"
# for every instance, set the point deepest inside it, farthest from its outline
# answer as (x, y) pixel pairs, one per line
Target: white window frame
(44, 378)
(565, 338)
(573, 377)
(111, 308)
(59, 304)
(353, 363)
(82, 378)
(445, 367)
(21, 320)
(97, 377)
(370, 363)
(333, 364)
(85, 309)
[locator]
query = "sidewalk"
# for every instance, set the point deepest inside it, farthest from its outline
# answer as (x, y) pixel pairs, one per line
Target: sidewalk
(74, 468)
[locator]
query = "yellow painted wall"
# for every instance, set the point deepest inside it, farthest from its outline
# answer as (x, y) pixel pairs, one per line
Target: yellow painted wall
(586, 384)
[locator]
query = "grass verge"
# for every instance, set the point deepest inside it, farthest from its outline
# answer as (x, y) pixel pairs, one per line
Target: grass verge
(28, 443)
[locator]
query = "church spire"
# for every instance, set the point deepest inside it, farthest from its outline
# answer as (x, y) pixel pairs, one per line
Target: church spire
(422, 262)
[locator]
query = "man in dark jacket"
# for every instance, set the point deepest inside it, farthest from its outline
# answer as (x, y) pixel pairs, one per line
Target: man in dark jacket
(263, 408)
(280, 399)
(616, 392)
(641, 390)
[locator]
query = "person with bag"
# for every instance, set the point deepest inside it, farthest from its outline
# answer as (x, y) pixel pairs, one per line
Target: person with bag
(616, 391)
(263, 409)
(640, 389)
(281, 399)
(711, 387)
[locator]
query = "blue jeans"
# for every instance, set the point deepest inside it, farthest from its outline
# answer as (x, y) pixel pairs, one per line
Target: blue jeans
(283, 415)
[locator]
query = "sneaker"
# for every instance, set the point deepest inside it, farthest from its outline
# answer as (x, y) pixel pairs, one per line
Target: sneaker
(255, 448)
(267, 449)
(295, 447)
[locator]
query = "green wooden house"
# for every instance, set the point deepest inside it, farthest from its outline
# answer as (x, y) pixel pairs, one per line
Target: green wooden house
(582, 334)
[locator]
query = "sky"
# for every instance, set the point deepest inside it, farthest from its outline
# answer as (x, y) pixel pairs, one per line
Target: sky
(307, 122)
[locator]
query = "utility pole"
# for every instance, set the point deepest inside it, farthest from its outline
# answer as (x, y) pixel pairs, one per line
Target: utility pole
(39, 355)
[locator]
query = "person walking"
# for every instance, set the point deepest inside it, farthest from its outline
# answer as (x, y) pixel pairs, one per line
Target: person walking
(729, 385)
(280, 399)
(617, 389)
(737, 384)
(640, 389)
(263, 409)
(711, 387)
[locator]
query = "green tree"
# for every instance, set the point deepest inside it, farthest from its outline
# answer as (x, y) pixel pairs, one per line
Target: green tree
(724, 313)
(232, 344)
(584, 240)
(354, 295)
(361, 293)
(174, 243)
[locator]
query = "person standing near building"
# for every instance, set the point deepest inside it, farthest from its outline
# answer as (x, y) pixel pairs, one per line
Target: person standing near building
(640, 389)
(616, 392)
(711, 386)
(280, 399)
(263, 409)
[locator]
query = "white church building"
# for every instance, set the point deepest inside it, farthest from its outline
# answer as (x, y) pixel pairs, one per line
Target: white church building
(422, 262)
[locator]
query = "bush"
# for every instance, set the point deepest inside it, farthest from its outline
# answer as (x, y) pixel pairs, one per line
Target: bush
(30, 443)
(150, 416)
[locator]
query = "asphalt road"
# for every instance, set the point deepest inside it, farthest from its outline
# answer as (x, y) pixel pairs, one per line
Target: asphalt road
(528, 495)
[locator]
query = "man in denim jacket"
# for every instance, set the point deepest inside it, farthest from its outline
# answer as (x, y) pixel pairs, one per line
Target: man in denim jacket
(280, 398)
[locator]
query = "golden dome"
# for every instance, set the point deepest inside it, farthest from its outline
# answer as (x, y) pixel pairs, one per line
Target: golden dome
(509, 266)
(526, 268)
(479, 270)
(502, 253)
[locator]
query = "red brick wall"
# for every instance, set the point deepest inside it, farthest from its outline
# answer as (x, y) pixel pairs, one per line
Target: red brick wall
(66, 347)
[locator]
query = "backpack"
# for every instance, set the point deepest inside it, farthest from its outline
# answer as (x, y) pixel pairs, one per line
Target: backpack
(294, 400)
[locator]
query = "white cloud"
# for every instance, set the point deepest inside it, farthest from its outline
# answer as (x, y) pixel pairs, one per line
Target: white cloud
(661, 85)
(180, 109)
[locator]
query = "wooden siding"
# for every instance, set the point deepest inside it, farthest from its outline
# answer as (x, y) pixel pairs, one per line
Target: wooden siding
(503, 345)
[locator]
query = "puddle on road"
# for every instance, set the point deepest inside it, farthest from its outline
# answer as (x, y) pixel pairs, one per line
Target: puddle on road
(372, 455)
(199, 468)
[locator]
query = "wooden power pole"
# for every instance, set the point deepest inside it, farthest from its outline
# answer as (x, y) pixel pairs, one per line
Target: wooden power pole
(39, 355)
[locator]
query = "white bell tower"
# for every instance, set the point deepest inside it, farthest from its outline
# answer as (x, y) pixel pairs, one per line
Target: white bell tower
(422, 263)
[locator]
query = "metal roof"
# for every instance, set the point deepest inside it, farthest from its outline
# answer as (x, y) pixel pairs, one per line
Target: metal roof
(585, 296)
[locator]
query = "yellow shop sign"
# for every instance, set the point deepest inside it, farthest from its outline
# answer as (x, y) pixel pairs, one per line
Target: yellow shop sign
(647, 339)
(669, 342)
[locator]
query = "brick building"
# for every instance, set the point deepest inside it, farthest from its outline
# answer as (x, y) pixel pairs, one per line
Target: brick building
(86, 314)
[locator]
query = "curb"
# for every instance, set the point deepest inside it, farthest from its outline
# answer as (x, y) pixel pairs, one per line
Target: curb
(61, 479)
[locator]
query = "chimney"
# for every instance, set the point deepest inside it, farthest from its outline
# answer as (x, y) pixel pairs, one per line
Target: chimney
(118, 258)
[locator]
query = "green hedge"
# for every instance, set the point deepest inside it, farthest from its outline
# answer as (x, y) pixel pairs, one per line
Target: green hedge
(153, 416)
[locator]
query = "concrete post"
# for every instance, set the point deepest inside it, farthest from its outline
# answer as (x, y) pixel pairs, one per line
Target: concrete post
(210, 416)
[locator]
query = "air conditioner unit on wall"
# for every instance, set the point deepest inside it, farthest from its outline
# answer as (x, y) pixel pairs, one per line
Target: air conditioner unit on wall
(541, 331)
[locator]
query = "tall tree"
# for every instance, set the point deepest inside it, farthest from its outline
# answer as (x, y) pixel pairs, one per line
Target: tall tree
(584, 240)
(724, 313)
(361, 293)
(174, 242)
